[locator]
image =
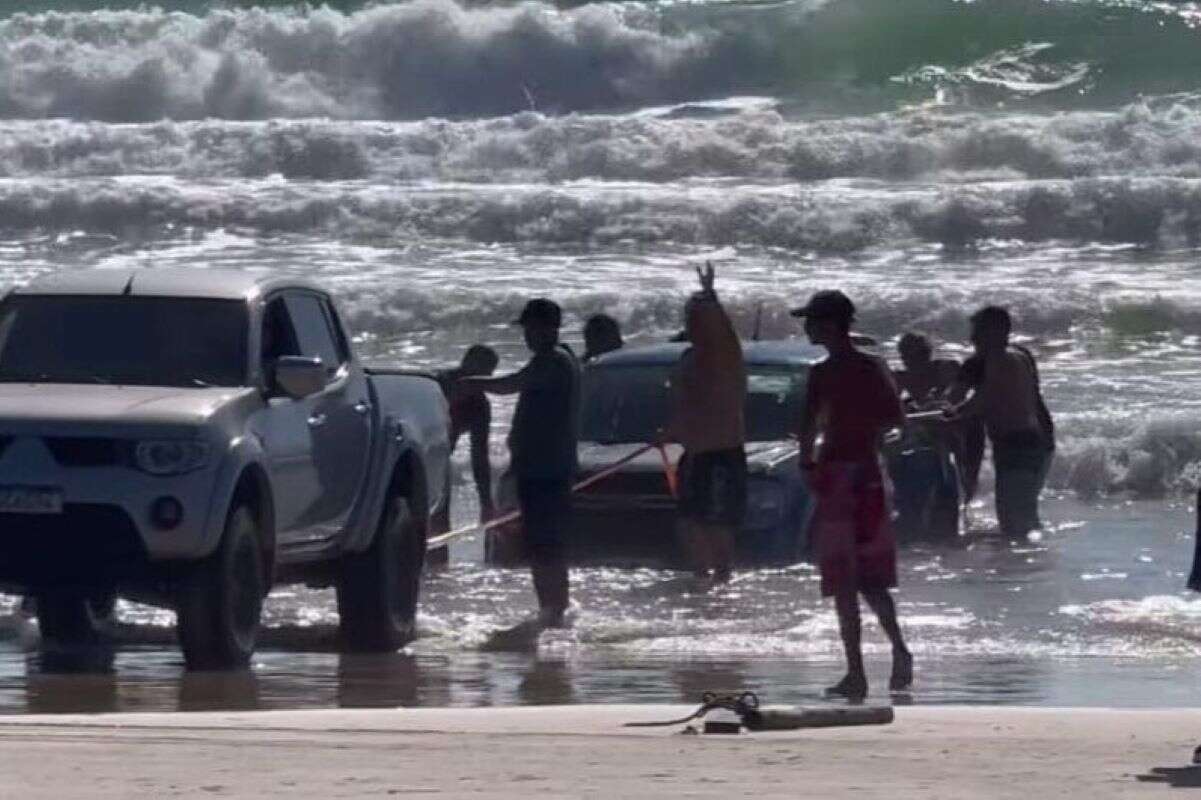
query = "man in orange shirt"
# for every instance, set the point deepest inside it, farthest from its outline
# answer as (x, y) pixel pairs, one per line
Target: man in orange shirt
(851, 402)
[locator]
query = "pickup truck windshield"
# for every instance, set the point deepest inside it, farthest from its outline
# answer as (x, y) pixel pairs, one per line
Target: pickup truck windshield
(629, 404)
(132, 341)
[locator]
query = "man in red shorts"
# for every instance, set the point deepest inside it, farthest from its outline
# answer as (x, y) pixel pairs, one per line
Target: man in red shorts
(851, 402)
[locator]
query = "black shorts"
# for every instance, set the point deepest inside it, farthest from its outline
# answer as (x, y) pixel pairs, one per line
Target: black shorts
(545, 514)
(713, 486)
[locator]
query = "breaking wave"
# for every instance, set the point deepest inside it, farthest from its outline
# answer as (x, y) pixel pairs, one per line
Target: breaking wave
(436, 58)
(745, 138)
(836, 217)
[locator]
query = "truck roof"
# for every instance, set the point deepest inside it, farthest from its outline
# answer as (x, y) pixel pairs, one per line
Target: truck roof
(765, 353)
(175, 282)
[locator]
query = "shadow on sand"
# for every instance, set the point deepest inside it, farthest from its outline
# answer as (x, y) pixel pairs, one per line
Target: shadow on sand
(1176, 777)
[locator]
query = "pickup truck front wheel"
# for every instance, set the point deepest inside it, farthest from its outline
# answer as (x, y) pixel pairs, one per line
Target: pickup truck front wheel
(378, 588)
(219, 601)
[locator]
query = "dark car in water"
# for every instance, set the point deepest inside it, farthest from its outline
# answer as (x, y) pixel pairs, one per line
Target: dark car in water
(629, 517)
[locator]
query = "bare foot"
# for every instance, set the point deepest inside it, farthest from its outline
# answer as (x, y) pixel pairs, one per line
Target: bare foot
(902, 672)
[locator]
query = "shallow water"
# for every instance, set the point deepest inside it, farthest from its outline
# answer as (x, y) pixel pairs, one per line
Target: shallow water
(1087, 615)
(437, 164)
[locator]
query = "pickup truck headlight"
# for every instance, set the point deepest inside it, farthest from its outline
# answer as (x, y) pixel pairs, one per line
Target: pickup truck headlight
(171, 456)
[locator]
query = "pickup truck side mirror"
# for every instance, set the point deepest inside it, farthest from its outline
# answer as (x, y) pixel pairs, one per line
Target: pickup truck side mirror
(299, 376)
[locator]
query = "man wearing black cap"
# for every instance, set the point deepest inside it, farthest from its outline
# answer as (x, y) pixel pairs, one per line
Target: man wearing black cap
(542, 444)
(851, 401)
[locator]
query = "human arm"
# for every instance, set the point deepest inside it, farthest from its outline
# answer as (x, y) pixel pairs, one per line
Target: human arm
(709, 326)
(892, 414)
(807, 424)
(481, 464)
(501, 384)
(967, 381)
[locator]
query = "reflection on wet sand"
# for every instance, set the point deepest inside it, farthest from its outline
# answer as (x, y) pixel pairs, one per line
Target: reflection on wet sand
(547, 682)
(1075, 619)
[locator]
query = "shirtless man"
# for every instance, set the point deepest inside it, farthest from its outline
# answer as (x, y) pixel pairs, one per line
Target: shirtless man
(929, 381)
(925, 379)
(471, 414)
(708, 395)
(1005, 394)
(851, 402)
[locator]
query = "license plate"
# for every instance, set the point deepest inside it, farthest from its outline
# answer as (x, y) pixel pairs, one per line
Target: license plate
(30, 500)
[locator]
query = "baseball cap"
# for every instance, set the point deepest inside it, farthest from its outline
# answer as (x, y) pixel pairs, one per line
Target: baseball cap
(540, 309)
(827, 304)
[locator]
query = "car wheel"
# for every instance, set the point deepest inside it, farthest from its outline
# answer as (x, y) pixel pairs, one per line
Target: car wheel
(378, 588)
(219, 601)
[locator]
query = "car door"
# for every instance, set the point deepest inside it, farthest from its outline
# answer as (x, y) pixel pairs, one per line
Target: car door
(283, 428)
(340, 422)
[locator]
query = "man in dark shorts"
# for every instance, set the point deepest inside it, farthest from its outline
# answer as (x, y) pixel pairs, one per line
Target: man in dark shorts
(471, 414)
(851, 402)
(1006, 395)
(708, 395)
(542, 444)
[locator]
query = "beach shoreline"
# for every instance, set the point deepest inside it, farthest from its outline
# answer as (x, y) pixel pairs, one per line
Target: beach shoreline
(583, 751)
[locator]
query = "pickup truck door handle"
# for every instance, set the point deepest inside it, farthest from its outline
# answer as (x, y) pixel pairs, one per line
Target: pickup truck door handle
(316, 421)
(362, 407)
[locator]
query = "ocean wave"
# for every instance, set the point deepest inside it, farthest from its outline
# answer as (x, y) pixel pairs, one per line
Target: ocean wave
(437, 58)
(838, 217)
(739, 139)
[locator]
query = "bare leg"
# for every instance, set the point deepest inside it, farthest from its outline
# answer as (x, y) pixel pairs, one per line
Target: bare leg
(902, 660)
(972, 452)
(552, 588)
(854, 685)
(721, 550)
(694, 542)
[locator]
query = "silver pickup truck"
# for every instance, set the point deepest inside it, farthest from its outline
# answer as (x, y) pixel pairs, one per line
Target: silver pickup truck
(193, 438)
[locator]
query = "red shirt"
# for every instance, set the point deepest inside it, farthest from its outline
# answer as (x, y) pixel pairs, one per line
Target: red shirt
(855, 400)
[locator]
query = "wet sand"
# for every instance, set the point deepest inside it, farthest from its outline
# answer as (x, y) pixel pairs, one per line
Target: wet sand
(582, 751)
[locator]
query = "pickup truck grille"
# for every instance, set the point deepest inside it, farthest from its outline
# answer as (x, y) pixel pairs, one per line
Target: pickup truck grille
(87, 451)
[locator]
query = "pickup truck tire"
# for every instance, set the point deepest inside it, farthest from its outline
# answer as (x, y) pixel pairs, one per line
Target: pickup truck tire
(219, 600)
(378, 588)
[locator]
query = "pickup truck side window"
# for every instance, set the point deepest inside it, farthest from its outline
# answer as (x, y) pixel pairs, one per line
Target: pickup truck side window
(312, 329)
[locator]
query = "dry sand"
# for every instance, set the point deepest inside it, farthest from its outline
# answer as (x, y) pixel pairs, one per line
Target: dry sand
(582, 751)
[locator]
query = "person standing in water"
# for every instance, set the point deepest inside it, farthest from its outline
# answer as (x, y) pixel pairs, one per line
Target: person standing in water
(851, 403)
(1005, 394)
(542, 444)
(930, 382)
(925, 379)
(602, 335)
(708, 396)
(471, 414)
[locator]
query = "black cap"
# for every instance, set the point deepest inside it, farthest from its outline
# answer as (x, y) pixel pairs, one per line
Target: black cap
(827, 304)
(542, 310)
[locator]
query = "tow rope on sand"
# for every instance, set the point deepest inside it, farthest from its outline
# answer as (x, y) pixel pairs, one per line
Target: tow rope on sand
(736, 711)
(443, 539)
